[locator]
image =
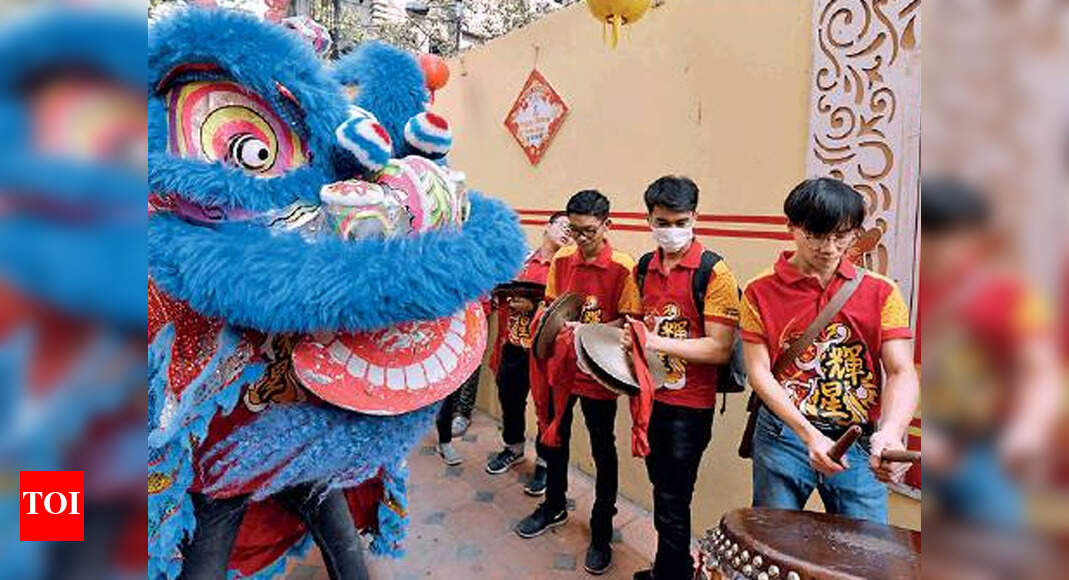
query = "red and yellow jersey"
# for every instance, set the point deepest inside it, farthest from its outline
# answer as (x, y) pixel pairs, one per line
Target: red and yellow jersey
(608, 290)
(669, 310)
(837, 380)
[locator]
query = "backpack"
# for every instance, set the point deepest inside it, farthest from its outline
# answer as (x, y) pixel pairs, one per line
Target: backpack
(731, 377)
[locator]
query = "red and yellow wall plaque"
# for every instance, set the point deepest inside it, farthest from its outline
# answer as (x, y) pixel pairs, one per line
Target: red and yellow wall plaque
(536, 116)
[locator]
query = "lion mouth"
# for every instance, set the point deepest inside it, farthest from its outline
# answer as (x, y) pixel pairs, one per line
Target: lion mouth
(300, 217)
(197, 213)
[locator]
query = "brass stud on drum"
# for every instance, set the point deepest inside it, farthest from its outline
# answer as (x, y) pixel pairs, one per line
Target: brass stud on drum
(745, 555)
(762, 576)
(757, 561)
(735, 563)
(773, 571)
(747, 570)
(792, 575)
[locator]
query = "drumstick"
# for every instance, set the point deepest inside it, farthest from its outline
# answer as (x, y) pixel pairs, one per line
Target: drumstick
(838, 449)
(901, 456)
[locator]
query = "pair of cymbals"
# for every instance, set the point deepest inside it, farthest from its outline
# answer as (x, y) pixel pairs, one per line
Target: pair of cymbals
(520, 289)
(599, 354)
(565, 308)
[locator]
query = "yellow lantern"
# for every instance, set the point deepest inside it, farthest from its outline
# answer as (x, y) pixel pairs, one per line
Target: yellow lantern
(617, 13)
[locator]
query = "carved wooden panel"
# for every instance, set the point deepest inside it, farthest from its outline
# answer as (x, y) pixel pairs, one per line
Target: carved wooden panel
(865, 119)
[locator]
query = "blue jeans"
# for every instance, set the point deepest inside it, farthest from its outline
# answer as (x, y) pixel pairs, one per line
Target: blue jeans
(783, 478)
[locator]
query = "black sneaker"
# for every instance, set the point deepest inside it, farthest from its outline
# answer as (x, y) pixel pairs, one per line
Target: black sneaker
(643, 575)
(537, 485)
(598, 559)
(501, 462)
(542, 519)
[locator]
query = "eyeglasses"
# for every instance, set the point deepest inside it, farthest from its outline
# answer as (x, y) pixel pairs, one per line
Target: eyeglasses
(587, 232)
(840, 240)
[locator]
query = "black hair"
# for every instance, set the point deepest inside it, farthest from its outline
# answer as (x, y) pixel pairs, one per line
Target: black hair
(556, 215)
(948, 205)
(824, 205)
(589, 202)
(672, 192)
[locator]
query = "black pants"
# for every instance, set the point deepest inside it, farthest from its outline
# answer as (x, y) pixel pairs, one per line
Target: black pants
(600, 424)
(444, 420)
(454, 403)
(678, 437)
(326, 516)
(513, 384)
(469, 391)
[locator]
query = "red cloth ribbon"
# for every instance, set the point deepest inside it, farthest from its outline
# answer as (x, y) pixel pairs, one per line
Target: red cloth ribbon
(502, 334)
(642, 403)
(553, 377)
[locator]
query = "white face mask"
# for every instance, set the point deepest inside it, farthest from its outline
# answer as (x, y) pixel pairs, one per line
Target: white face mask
(672, 240)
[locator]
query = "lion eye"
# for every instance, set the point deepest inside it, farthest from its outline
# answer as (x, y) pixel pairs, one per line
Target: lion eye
(224, 121)
(249, 152)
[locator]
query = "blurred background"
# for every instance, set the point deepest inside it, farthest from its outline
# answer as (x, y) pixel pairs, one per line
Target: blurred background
(993, 288)
(992, 280)
(72, 279)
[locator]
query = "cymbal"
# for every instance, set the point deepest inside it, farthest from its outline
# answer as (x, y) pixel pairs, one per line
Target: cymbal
(521, 288)
(565, 308)
(610, 365)
(582, 358)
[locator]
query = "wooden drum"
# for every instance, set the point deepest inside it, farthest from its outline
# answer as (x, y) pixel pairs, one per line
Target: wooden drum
(768, 544)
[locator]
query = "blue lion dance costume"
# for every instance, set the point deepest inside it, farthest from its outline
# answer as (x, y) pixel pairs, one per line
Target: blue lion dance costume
(314, 266)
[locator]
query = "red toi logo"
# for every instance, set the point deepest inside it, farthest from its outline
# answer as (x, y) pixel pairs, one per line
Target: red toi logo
(50, 506)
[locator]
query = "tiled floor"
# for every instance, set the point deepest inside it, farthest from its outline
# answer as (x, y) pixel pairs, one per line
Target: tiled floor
(462, 522)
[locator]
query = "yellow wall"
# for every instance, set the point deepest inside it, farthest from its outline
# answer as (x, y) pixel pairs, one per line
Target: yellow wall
(713, 89)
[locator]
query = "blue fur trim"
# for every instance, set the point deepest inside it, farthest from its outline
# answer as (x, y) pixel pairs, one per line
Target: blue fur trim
(391, 84)
(256, 55)
(199, 398)
(295, 444)
(280, 283)
(393, 519)
(171, 446)
(213, 184)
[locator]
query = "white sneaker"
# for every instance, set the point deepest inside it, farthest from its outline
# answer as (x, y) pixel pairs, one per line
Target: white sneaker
(449, 454)
(460, 425)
